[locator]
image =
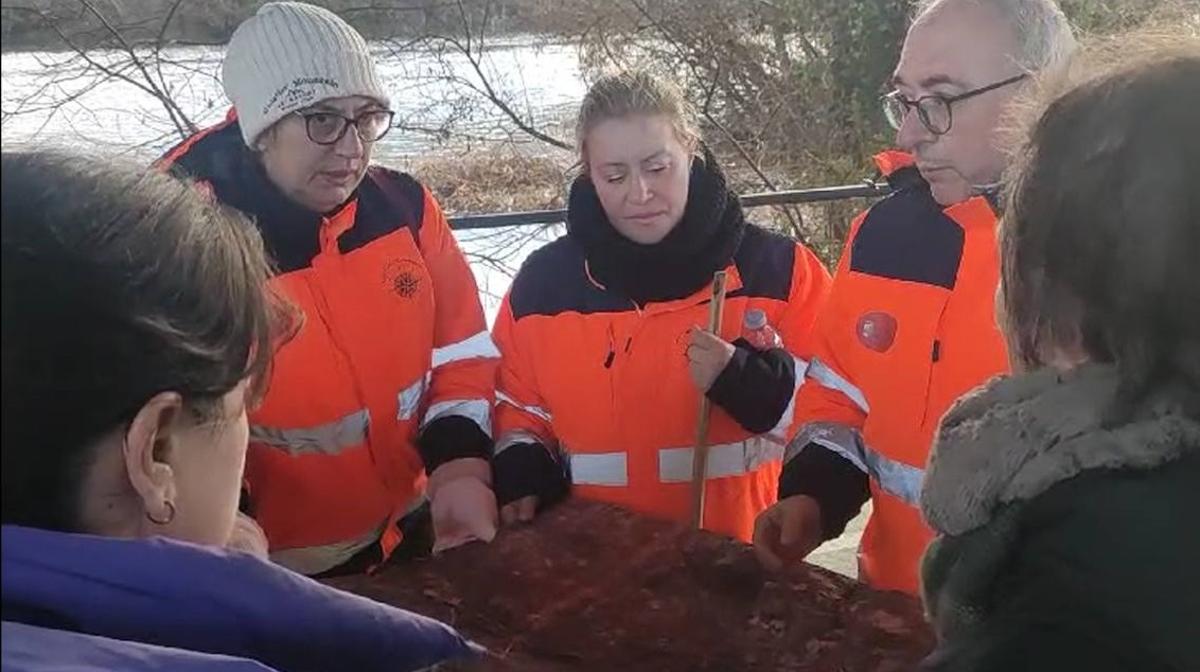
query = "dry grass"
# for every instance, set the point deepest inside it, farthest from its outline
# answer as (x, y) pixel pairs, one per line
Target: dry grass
(498, 179)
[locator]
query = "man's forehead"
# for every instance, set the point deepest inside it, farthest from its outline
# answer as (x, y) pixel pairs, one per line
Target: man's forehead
(956, 44)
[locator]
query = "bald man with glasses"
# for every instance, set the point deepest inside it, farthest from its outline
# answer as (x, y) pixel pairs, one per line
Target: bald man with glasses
(910, 324)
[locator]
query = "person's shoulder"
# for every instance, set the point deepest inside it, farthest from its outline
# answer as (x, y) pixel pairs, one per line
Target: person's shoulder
(1128, 530)
(910, 202)
(765, 261)
(552, 256)
(760, 238)
(1118, 549)
(385, 175)
(398, 185)
(1140, 502)
(907, 236)
(28, 648)
(388, 201)
(552, 279)
(206, 154)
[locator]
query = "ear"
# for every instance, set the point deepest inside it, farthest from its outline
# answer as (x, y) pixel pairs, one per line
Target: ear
(265, 139)
(147, 448)
(582, 163)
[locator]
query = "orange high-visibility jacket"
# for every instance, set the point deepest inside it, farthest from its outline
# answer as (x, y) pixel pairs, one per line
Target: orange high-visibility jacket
(393, 370)
(589, 373)
(909, 327)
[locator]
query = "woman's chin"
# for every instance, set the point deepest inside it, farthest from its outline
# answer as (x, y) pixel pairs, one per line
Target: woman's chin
(646, 232)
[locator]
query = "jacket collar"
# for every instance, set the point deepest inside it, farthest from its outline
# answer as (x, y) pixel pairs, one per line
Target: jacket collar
(899, 168)
(679, 266)
(1017, 437)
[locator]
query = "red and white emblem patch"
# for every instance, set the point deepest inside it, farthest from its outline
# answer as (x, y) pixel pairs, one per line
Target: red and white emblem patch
(877, 331)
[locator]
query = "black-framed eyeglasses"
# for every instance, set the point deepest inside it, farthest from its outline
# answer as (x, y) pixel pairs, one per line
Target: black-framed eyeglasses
(935, 111)
(328, 128)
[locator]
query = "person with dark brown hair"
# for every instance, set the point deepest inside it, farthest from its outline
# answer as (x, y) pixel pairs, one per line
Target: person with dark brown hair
(137, 331)
(1064, 496)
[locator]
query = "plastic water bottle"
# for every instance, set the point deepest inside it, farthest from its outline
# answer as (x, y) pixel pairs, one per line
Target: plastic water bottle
(760, 334)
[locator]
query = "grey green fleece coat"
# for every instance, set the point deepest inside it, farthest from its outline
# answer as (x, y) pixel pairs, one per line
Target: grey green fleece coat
(1062, 544)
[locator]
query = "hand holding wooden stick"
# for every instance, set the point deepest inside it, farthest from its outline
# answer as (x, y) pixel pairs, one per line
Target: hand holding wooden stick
(716, 310)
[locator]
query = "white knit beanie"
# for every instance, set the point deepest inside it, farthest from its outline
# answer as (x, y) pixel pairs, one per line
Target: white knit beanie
(290, 55)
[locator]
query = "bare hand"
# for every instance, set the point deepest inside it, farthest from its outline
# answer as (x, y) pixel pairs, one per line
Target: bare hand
(520, 511)
(708, 355)
(247, 536)
(787, 532)
(461, 503)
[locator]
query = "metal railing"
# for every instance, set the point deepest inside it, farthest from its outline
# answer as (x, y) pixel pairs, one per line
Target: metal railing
(868, 189)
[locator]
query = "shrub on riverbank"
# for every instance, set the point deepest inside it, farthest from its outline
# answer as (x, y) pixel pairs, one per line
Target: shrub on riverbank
(497, 179)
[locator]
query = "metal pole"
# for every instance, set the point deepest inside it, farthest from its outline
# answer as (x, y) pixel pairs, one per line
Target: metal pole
(868, 189)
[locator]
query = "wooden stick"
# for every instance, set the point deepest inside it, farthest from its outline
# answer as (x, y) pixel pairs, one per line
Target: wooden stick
(716, 310)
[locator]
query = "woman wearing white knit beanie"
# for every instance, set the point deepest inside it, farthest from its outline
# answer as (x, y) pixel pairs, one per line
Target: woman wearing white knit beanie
(383, 398)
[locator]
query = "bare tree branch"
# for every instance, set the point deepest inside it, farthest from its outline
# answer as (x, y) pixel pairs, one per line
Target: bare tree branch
(131, 69)
(183, 124)
(162, 33)
(486, 89)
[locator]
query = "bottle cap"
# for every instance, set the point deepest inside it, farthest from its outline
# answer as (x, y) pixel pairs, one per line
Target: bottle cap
(754, 319)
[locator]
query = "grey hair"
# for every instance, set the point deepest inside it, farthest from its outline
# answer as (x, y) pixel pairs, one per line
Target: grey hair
(1045, 40)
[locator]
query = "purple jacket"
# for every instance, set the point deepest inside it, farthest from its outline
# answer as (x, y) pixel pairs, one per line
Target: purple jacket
(87, 600)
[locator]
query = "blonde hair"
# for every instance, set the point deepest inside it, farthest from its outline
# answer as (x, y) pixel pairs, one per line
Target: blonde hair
(634, 92)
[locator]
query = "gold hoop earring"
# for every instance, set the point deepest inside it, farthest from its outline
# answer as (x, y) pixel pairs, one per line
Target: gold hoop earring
(170, 515)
